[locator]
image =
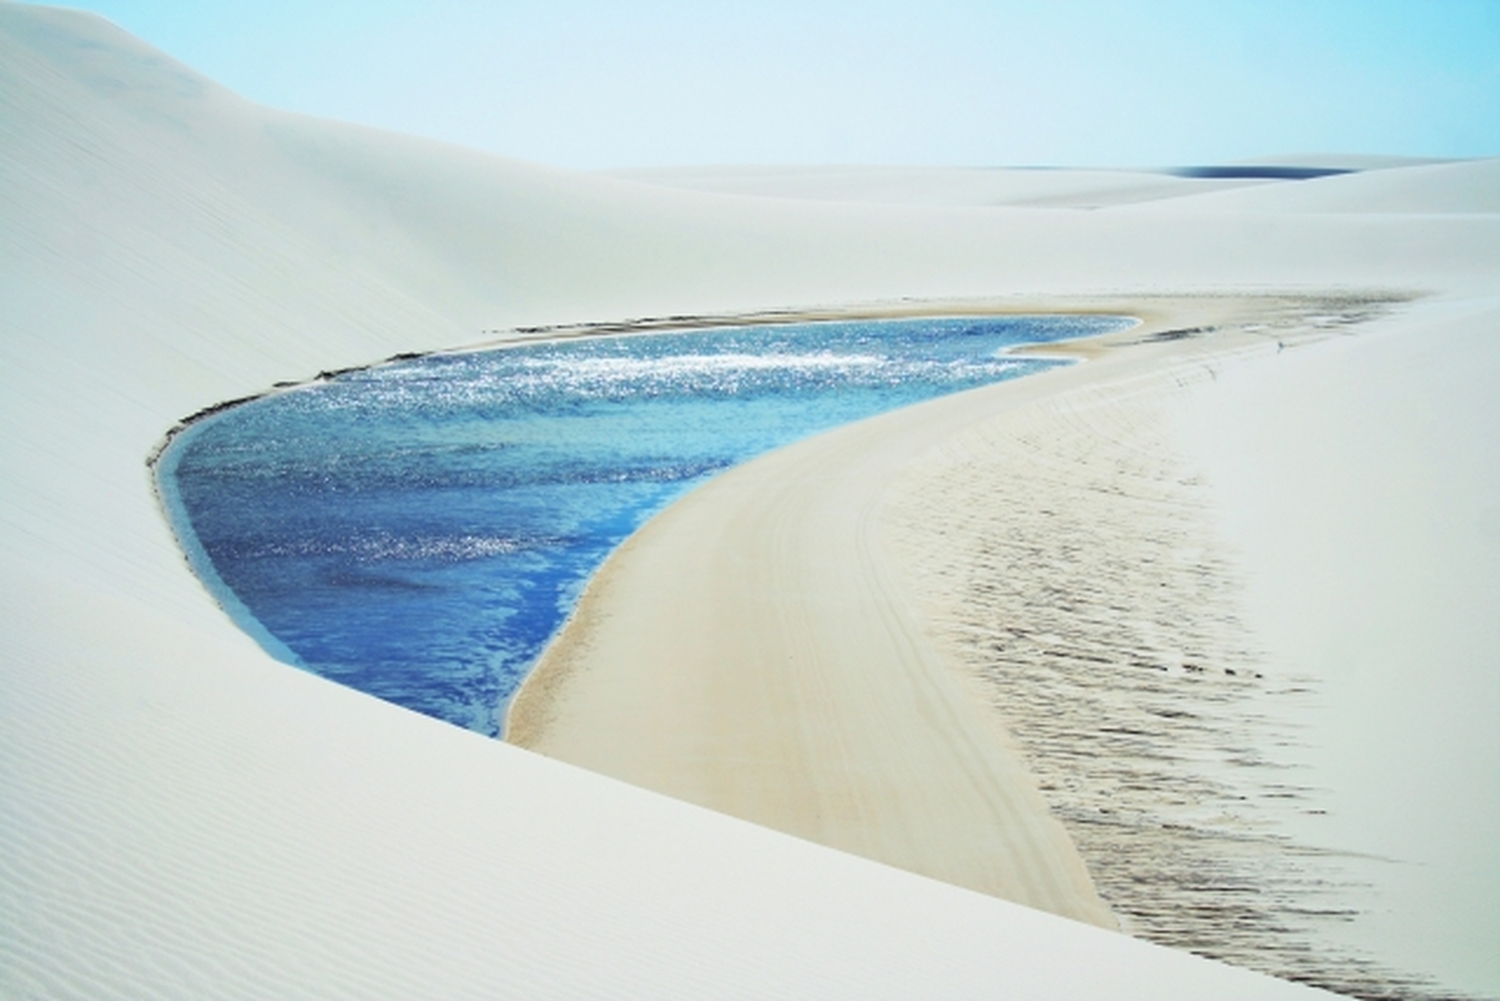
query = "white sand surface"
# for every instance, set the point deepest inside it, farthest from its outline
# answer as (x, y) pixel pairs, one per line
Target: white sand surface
(183, 817)
(1362, 488)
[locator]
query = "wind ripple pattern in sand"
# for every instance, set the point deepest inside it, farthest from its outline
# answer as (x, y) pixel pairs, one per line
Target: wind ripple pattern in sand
(1077, 580)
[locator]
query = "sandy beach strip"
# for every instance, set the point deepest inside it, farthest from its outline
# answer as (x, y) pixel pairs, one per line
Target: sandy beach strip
(755, 649)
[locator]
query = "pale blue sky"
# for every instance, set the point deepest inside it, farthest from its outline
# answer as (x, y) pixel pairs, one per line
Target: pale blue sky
(583, 83)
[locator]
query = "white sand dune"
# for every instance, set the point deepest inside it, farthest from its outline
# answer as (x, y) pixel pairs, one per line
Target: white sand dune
(1362, 488)
(183, 817)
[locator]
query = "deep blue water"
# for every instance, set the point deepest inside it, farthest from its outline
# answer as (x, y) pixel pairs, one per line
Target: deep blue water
(419, 530)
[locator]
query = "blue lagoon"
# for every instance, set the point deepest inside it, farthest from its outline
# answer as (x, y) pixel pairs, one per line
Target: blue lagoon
(418, 530)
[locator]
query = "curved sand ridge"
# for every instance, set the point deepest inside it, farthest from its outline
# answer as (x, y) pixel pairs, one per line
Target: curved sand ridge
(755, 649)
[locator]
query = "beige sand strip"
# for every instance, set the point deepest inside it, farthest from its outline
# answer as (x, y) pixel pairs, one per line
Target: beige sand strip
(749, 650)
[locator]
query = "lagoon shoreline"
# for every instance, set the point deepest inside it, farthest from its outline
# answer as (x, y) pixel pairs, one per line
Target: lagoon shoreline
(442, 512)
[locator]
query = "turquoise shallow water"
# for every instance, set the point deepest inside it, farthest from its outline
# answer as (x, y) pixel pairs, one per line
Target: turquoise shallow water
(419, 530)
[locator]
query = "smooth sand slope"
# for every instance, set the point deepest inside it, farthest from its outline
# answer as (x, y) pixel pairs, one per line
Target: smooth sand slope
(183, 817)
(1361, 486)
